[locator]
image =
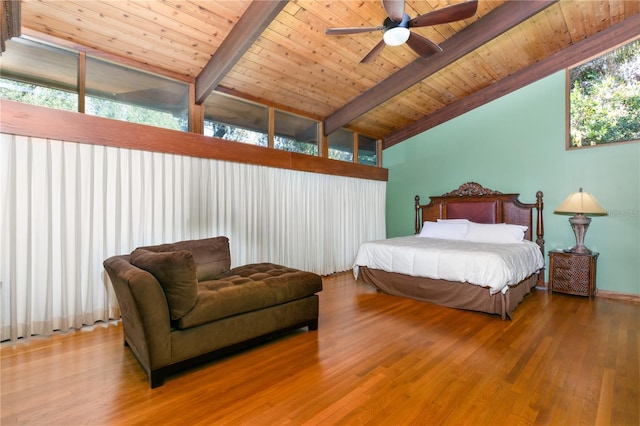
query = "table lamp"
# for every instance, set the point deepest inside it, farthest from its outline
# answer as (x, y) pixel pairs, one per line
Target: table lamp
(580, 204)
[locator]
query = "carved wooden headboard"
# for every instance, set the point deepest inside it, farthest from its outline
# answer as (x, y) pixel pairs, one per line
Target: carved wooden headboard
(478, 204)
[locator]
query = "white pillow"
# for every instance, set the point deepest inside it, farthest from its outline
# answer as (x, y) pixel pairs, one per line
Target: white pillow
(495, 233)
(444, 230)
(454, 220)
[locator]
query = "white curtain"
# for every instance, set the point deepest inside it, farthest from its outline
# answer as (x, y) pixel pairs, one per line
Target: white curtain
(67, 206)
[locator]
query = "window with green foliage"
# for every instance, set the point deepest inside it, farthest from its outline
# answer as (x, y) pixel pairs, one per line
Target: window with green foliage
(127, 94)
(233, 119)
(45, 75)
(42, 74)
(604, 98)
(39, 74)
(367, 151)
(341, 145)
(295, 133)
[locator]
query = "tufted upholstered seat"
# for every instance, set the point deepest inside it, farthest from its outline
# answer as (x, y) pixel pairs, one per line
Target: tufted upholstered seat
(248, 288)
(182, 304)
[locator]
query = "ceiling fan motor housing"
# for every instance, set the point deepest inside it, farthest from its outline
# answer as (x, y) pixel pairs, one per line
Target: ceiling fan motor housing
(396, 33)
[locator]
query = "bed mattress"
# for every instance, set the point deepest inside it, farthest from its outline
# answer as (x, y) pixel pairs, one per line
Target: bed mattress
(484, 264)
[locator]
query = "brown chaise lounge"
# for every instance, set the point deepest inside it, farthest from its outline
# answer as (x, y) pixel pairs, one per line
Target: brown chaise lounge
(181, 304)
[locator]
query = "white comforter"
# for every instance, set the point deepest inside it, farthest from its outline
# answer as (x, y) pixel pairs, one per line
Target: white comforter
(485, 264)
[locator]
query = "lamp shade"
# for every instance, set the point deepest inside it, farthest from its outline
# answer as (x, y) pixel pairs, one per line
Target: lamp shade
(581, 202)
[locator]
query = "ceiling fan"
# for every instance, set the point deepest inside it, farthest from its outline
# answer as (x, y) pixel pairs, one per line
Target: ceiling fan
(396, 27)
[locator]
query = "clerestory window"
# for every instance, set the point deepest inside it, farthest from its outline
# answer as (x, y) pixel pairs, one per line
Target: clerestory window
(45, 75)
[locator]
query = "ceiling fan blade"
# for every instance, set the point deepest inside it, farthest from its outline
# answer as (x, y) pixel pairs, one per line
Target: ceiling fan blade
(351, 30)
(447, 14)
(373, 52)
(422, 46)
(394, 9)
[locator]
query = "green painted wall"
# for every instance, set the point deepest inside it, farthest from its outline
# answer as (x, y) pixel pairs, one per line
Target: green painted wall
(517, 144)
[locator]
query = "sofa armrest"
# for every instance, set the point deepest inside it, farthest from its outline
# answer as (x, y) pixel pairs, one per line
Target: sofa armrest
(145, 312)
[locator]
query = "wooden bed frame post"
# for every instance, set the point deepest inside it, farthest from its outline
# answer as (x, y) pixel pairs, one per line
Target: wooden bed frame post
(539, 224)
(417, 224)
(539, 237)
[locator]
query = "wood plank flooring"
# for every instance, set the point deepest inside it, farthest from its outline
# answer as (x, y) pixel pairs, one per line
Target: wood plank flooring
(376, 359)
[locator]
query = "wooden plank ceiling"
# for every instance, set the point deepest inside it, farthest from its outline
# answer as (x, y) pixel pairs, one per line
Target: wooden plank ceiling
(277, 52)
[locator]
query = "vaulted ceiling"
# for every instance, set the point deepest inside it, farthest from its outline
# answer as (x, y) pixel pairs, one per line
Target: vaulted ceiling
(277, 52)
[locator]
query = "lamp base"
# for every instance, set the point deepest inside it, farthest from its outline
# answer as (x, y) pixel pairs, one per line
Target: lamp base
(580, 224)
(578, 249)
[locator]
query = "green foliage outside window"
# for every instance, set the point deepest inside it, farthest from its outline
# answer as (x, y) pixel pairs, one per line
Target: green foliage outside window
(342, 155)
(292, 145)
(135, 114)
(59, 99)
(38, 95)
(605, 98)
(235, 134)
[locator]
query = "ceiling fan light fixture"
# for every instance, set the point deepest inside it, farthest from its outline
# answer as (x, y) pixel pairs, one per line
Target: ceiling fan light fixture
(397, 24)
(396, 36)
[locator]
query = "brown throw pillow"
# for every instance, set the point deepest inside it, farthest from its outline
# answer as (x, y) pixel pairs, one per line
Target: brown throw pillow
(176, 272)
(211, 255)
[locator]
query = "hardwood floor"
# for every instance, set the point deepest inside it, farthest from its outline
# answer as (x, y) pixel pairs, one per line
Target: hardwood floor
(376, 359)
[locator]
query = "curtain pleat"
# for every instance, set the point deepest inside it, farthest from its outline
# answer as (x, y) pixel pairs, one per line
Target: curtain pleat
(67, 206)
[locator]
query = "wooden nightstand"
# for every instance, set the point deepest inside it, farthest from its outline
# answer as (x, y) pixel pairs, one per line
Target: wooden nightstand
(572, 273)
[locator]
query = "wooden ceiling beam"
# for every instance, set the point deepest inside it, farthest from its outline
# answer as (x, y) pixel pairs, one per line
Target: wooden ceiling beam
(246, 31)
(582, 50)
(9, 22)
(490, 26)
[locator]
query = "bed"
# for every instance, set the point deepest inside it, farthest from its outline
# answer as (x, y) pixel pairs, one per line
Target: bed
(385, 265)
